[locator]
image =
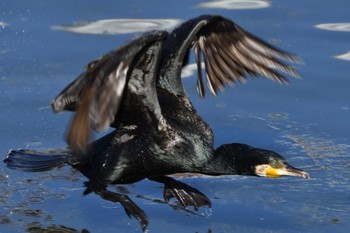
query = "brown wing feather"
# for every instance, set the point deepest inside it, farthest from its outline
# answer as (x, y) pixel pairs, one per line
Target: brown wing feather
(231, 54)
(79, 131)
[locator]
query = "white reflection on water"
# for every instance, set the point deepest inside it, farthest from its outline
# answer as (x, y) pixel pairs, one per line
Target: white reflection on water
(2, 24)
(344, 56)
(339, 27)
(189, 70)
(235, 4)
(119, 26)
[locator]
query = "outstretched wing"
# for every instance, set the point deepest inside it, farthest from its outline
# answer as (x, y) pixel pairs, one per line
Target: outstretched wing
(230, 55)
(97, 93)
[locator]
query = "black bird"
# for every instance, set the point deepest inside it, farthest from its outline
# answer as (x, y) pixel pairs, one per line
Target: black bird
(137, 89)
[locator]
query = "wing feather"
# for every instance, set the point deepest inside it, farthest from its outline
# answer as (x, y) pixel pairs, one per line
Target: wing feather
(231, 54)
(97, 93)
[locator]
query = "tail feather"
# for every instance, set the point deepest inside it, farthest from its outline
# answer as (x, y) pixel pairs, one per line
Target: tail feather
(35, 161)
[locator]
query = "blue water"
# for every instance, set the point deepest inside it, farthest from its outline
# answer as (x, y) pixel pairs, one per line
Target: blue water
(306, 121)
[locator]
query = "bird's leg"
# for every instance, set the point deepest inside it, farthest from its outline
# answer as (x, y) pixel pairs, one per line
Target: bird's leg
(130, 207)
(185, 194)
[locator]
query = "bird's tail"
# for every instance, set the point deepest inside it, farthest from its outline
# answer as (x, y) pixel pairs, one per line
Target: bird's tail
(36, 161)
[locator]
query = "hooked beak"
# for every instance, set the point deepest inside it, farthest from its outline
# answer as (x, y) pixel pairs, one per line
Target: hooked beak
(285, 170)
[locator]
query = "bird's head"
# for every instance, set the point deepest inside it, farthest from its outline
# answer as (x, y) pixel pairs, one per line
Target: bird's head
(247, 160)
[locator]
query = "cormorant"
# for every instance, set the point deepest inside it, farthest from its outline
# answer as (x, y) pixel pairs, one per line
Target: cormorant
(137, 89)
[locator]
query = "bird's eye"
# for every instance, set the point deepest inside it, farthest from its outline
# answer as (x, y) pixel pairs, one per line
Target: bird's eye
(273, 164)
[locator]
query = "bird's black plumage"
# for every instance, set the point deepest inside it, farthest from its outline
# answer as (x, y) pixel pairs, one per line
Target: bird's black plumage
(137, 89)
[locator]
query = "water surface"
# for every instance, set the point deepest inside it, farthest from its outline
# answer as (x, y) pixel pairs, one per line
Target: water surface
(306, 121)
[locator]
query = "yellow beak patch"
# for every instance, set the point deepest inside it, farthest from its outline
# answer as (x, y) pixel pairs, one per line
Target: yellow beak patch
(272, 172)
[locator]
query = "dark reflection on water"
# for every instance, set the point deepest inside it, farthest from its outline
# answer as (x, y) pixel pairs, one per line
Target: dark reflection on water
(22, 200)
(37, 227)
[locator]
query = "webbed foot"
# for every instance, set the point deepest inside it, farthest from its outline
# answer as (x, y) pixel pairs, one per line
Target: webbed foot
(185, 194)
(130, 207)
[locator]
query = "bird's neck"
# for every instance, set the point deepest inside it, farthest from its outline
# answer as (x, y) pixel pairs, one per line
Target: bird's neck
(219, 165)
(228, 162)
